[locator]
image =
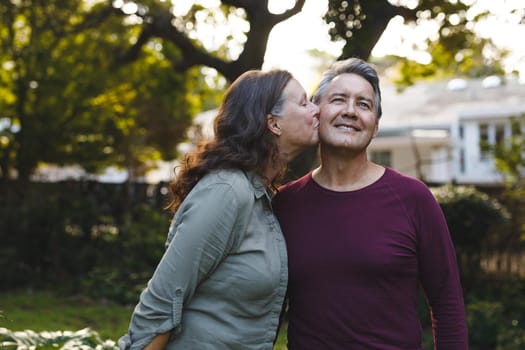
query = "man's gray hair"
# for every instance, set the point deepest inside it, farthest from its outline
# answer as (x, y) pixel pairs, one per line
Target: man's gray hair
(355, 66)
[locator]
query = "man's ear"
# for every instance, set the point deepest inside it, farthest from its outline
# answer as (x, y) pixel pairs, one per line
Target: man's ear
(273, 124)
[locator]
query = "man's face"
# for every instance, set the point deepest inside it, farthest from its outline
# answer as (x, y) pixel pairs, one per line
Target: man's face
(348, 119)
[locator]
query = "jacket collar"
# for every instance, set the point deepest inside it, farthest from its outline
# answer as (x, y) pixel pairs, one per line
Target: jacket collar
(258, 186)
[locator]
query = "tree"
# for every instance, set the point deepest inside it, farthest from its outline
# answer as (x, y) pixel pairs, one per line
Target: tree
(156, 20)
(454, 50)
(110, 82)
(359, 24)
(64, 100)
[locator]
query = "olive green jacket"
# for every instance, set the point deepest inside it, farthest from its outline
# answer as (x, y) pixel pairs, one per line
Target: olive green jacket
(222, 280)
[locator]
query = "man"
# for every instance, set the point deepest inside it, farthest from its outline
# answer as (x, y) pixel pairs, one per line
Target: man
(363, 238)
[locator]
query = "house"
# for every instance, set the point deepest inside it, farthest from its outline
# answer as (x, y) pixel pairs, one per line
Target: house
(434, 130)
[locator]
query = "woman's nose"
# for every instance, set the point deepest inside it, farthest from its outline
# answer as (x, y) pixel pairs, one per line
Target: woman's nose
(314, 107)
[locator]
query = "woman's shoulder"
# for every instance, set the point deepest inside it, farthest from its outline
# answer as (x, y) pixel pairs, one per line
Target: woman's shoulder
(235, 181)
(232, 177)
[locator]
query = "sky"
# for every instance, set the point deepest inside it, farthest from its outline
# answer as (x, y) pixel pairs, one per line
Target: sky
(290, 40)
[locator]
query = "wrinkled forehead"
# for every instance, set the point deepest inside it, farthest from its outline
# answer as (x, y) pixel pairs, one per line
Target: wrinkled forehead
(349, 84)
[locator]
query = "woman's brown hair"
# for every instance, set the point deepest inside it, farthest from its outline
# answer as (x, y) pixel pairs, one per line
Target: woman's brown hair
(241, 139)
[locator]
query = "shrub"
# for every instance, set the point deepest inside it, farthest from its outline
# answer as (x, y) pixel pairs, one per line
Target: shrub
(83, 339)
(99, 239)
(471, 217)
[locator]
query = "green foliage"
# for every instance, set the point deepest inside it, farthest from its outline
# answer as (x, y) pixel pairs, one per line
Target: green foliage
(84, 339)
(87, 234)
(498, 321)
(125, 264)
(455, 50)
(511, 337)
(471, 217)
(509, 159)
(69, 94)
(43, 310)
(483, 319)
(509, 156)
(495, 304)
(65, 101)
(464, 59)
(411, 71)
(495, 323)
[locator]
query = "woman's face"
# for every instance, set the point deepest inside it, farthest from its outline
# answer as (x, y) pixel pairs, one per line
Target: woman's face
(298, 122)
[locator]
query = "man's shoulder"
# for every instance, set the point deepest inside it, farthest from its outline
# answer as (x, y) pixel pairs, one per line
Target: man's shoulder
(405, 184)
(402, 178)
(296, 185)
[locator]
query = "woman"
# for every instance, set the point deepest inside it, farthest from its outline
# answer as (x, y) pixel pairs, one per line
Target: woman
(222, 280)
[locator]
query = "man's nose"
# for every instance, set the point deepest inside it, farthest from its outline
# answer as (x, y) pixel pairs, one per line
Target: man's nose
(349, 110)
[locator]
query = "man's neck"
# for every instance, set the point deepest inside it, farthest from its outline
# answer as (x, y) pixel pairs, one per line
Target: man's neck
(347, 174)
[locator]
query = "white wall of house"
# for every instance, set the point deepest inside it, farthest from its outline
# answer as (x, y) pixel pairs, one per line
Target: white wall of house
(467, 115)
(474, 165)
(426, 157)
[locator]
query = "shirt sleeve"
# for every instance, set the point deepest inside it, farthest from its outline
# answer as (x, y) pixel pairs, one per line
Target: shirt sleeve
(200, 237)
(439, 276)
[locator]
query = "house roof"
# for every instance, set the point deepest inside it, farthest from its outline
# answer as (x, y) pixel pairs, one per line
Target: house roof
(443, 103)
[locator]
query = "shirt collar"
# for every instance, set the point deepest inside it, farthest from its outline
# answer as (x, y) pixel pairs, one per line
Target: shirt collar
(258, 186)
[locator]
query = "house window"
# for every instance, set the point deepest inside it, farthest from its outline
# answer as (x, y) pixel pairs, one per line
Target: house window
(462, 161)
(484, 141)
(382, 158)
(500, 134)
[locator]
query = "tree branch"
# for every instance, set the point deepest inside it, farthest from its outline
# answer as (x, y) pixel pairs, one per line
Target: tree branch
(160, 25)
(298, 7)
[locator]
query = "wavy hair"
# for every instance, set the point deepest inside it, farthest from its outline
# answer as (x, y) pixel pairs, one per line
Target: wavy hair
(241, 137)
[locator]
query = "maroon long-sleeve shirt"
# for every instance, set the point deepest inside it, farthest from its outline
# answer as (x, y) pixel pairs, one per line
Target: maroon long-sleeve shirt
(357, 260)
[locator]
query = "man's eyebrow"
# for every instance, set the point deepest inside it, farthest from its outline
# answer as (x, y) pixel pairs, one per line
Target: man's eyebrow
(337, 94)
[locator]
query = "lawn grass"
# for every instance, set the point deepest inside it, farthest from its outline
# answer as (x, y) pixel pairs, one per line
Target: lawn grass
(47, 311)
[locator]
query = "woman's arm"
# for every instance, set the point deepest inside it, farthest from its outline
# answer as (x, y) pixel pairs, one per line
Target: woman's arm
(200, 241)
(159, 342)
